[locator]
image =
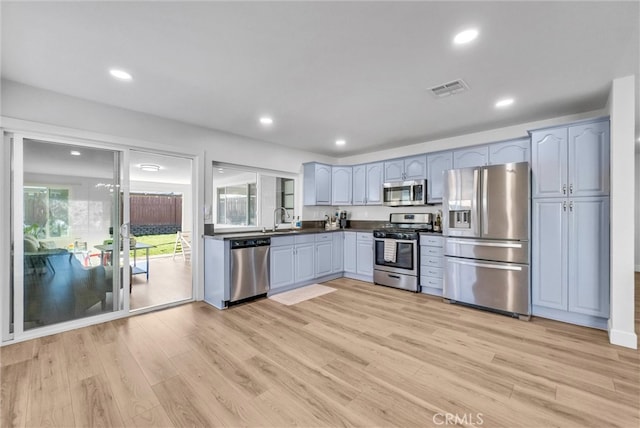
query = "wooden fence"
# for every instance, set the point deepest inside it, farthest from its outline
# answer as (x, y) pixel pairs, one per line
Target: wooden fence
(155, 209)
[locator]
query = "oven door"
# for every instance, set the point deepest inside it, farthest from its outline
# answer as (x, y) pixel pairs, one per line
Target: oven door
(406, 257)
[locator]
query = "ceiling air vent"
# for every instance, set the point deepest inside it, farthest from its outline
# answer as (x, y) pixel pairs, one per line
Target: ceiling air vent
(450, 88)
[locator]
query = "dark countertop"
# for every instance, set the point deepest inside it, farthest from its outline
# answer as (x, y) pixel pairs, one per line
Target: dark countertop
(284, 232)
(222, 236)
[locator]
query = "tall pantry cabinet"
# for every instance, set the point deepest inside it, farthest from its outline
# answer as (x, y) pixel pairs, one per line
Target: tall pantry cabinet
(570, 223)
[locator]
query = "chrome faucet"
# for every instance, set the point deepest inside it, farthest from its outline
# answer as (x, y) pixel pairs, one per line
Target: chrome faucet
(275, 223)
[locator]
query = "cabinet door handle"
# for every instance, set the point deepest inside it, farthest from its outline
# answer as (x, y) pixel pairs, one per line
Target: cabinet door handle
(571, 188)
(564, 189)
(571, 206)
(564, 205)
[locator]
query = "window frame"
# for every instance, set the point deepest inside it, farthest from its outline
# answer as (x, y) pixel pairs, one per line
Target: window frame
(260, 216)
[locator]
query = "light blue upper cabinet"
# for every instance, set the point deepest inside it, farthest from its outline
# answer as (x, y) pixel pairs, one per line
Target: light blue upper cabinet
(571, 161)
(415, 167)
(549, 163)
(589, 256)
(409, 168)
(509, 151)
(341, 185)
(589, 159)
(374, 183)
(394, 170)
(359, 178)
(437, 163)
(473, 156)
(316, 184)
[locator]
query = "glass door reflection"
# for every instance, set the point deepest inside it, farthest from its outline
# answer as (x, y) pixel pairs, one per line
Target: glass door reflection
(70, 202)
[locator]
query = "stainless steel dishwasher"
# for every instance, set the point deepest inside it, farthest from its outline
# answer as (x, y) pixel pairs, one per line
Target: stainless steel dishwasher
(249, 268)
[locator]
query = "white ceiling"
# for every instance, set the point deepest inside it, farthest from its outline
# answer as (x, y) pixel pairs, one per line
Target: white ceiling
(323, 70)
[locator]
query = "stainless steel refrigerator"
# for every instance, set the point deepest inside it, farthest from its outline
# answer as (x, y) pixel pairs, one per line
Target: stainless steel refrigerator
(486, 227)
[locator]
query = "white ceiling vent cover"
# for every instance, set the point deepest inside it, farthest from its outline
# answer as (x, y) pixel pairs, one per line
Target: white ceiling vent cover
(450, 88)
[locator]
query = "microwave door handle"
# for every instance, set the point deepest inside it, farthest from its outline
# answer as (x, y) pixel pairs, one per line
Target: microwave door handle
(412, 193)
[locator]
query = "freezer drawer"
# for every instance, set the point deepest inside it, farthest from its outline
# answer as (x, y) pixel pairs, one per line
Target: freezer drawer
(484, 249)
(501, 286)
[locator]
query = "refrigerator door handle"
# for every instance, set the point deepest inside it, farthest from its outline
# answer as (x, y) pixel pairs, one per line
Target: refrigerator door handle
(483, 214)
(484, 244)
(485, 265)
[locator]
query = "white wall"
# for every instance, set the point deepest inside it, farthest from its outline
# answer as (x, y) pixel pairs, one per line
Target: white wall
(622, 106)
(102, 122)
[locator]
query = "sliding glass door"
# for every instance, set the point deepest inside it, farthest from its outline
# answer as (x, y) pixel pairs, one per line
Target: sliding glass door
(161, 217)
(69, 203)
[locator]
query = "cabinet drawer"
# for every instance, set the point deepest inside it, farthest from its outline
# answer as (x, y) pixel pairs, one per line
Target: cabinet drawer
(431, 272)
(431, 261)
(278, 241)
(433, 241)
(305, 239)
(431, 251)
(427, 281)
(364, 236)
(320, 237)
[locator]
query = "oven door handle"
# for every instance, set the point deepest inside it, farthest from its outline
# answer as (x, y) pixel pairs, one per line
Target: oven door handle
(399, 241)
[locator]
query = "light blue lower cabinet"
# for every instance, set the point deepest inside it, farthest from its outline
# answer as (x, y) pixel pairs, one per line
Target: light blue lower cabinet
(358, 255)
(350, 248)
(305, 262)
(364, 255)
(301, 260)
(282, 267)
(431, 264)
(324, 259)
(570, 260)
(337, 252)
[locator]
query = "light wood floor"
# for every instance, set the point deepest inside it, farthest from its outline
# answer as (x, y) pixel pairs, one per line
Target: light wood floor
(169, 281)
(363, 355)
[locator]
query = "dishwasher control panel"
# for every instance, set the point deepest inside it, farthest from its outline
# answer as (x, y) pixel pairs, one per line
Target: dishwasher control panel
(248, 243)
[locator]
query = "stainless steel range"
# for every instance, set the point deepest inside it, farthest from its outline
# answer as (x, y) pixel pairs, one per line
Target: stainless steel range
(396, 250)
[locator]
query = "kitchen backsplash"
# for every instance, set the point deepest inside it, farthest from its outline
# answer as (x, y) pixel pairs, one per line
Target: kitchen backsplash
(369, 212)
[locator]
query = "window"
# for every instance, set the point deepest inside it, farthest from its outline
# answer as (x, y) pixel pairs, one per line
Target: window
(46, 212)
(237, 205)
(249, 197)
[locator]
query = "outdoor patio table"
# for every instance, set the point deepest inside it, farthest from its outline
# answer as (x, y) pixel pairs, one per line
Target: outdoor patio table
(135, 267)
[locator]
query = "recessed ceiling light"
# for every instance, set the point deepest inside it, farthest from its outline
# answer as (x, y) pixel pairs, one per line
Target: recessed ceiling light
(120, 74)
(75, 153)
(149, 167)
(505, 102)
(340, 142)
(221, 171)
(266, 120)
(465, 36)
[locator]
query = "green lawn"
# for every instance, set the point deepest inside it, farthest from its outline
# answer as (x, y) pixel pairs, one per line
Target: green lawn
(163, 243)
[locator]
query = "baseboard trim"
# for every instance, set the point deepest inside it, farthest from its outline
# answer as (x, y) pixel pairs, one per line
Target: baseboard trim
(622, 338)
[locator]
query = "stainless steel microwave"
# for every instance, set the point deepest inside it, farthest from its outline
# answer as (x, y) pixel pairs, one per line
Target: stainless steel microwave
(404, 193)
